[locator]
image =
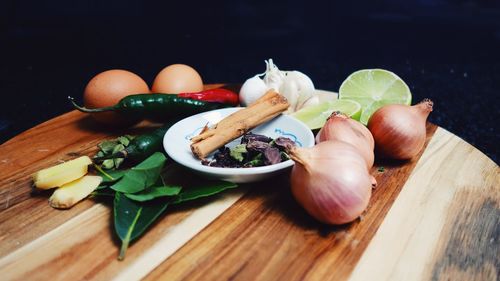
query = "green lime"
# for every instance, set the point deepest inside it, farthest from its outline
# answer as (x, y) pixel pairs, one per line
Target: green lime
(315, 116)
(374, 88)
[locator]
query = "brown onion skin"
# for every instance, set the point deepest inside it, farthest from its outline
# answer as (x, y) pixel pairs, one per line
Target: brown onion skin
(400, 130)
(343, 128)
(331, 182)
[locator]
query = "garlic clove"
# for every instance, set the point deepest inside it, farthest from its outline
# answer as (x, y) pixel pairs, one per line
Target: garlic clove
(305, 86)
(251, 90)
(289, 90)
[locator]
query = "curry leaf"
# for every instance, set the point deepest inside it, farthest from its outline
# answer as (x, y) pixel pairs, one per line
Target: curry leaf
(152, 161)
(109, 176)
(108, 164)
(103, 192)
(193, 186)
(133, 218)
(116, 162)
(238, 151)
(208, 188)
(124, 140)
(132, 181)
(107, 146)
(114, 175)
(154, 192)
(141, 176)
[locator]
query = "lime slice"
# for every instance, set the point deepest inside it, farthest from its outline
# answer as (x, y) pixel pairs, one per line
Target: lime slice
(374, 88)
(315, 116)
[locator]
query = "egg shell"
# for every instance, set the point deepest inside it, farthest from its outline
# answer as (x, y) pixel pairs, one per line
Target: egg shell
(108, 88)
(177, 78)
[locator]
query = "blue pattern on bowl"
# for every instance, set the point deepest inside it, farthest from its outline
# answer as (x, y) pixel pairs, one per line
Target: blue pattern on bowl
(288, 135)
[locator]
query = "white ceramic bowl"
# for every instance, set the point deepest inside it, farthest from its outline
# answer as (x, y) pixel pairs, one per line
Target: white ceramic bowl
(177, 144)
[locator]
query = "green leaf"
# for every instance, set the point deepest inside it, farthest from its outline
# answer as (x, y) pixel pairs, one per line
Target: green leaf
(257, 161)
(124, 140)
(193, 186)
(108, 164)
(154, 192)
(109, 176)
(117, 161)
(238, 151)
(141, 176)
(118, 147)
(102, 186)
(200, 190)
(104, 191)
(132, 218)
(107, 146)
(152, 161)
(133, 181)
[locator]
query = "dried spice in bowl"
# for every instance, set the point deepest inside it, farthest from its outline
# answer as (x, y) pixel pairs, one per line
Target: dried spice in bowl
(253, 151)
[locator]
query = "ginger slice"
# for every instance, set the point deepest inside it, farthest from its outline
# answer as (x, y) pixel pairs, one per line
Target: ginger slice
(71, 193)
(62, 173)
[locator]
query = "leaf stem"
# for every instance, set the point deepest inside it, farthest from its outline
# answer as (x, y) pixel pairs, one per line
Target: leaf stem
(126, 240)
(103, 172)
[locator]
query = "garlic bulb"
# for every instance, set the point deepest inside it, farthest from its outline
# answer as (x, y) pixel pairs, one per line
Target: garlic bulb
(273, 76)
(294, 85)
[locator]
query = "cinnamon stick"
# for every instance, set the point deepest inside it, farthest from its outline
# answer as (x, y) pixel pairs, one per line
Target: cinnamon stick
(233, 118)
(235, 125)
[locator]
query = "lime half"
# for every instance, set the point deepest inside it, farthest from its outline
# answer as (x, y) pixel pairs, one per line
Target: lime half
(315, 116)
(374, 88)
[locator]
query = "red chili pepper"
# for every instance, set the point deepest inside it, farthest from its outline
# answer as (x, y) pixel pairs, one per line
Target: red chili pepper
(214, 95)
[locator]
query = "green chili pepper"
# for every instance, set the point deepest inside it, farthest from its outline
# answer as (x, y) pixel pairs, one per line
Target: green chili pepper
(141, 147)
(155, 106)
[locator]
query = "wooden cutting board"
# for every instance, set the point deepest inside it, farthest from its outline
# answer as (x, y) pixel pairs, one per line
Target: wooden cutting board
(435, 217)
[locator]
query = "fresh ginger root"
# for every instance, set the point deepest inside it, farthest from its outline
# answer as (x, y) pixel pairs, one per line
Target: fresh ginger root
(71, 193)
(61, 174)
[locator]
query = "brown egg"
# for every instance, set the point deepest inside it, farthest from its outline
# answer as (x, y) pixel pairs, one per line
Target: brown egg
(108, 88)
(177, 78)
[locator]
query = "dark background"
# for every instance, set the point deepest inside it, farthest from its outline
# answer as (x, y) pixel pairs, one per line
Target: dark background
(446, 50)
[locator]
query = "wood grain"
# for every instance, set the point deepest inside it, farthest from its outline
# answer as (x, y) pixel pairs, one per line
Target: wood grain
(435, 217)
(59, 139)
(34, 150)
(444, 224)
(268, 234)
(85, 246)
(468, 248)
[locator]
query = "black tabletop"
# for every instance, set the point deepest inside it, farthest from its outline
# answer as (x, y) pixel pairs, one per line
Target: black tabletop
(446, 50)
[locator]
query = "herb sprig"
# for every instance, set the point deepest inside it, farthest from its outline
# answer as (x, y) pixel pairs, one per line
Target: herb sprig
(142, 193)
